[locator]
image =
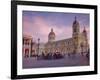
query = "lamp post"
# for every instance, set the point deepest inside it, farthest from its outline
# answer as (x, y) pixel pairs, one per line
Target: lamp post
(82, 49)
(38, 45)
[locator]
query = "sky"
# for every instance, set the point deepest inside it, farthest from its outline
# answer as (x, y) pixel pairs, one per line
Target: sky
(38, 24)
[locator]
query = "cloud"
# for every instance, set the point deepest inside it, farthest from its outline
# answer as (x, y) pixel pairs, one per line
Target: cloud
(37, 27)
(63, 32)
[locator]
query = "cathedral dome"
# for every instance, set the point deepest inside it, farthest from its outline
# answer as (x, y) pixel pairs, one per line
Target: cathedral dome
(51, 33)
(51, 36)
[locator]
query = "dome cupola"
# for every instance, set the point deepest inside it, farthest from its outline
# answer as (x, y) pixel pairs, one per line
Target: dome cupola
(51, 36)
(51, 33)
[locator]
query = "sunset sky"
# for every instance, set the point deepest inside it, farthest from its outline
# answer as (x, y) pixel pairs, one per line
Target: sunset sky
(39, 24)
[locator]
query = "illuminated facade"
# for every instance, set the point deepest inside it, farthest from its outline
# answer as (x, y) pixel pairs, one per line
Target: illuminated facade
(77, 44)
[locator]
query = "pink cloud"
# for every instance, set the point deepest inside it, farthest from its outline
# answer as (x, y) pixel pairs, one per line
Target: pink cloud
(39, 28)
(63, 32)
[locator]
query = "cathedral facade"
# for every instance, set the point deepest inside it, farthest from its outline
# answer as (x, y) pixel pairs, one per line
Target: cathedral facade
(78, 43)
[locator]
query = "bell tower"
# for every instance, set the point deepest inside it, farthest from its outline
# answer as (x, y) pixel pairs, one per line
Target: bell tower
(85, 40)
(76, 28)
(76, 36)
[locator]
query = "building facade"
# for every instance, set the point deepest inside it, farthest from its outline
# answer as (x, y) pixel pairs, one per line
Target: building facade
(29, 46)
(78, 43)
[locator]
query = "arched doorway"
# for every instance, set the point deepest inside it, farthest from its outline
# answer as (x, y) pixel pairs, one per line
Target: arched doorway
(26, 52)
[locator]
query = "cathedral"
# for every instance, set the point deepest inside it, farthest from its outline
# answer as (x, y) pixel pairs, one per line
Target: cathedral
(78, 43)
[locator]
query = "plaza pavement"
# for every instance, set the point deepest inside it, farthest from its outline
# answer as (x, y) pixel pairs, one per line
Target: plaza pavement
(73, 60)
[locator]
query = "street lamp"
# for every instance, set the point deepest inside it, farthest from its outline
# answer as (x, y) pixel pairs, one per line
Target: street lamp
(38, 45)
(82, 49)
